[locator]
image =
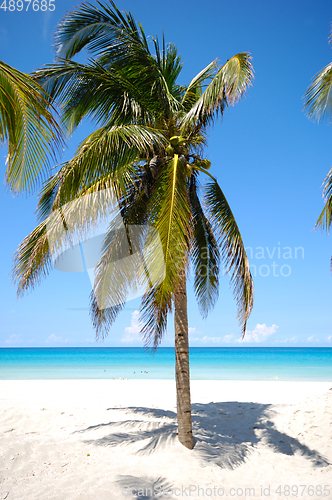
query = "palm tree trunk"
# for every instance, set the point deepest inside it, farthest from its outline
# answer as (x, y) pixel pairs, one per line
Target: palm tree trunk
(182, 366)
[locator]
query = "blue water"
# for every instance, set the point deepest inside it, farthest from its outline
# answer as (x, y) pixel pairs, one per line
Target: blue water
(216, 363)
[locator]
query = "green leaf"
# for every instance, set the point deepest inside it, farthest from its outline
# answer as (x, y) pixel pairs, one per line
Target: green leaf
(227, 87)
(28, 126)
(325, 219)
(169, 213)
(232, 250)
(318, 97)
(205, 256)
(32, 261)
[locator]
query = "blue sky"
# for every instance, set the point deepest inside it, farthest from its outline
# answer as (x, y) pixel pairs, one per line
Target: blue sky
(269, 159)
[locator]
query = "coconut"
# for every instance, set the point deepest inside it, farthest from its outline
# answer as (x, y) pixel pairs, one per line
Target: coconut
(170, 150)
(177, 140)
(206, 164)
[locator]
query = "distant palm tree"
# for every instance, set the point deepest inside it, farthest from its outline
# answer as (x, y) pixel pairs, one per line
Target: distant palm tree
(149, 149)
(318, 104)
(28, 126)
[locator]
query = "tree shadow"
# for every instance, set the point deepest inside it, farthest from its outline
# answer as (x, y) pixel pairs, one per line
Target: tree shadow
(225, 433)
(159, 431)
(145, 488)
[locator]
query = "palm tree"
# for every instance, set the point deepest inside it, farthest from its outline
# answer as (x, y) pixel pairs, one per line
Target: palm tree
(149, 149)
(28, 126)
(318, 104)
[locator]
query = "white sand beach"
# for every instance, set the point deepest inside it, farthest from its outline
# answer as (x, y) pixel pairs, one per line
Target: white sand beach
(114, 439)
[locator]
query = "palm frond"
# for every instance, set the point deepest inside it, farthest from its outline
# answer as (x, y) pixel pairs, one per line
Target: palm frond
(32, 260)
(103, 319)
(95, 169)
(226, 88)
(169, 213)
(120, 46)
(48, 195)
(205, 256)
(325, 219)
(115, 96)
(318, 97)
(117, 267)
(169, 67)
(108, 153)
(29, 126)
(194, 89)
(105, 306)
(103, 30)
(131, 259)
(232, 250)
(155, 306)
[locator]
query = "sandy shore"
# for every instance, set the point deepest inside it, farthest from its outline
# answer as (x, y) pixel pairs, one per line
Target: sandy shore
(116, 439)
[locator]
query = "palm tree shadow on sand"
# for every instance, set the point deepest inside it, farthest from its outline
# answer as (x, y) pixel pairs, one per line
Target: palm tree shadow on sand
(225, 433)
(145, 488)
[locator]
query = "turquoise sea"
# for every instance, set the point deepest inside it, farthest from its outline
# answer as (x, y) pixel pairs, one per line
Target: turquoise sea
(215, 363)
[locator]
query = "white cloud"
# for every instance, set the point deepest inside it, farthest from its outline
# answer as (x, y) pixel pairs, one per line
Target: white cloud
(286, 341)
(53, 339)
(259, 334)
(312, 339)
(14, 340)
(203, 340)
(133, 332)
(229, 338)
(329, 338)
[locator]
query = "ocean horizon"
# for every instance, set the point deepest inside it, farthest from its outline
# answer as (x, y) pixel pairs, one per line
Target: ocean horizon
(206, 363)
